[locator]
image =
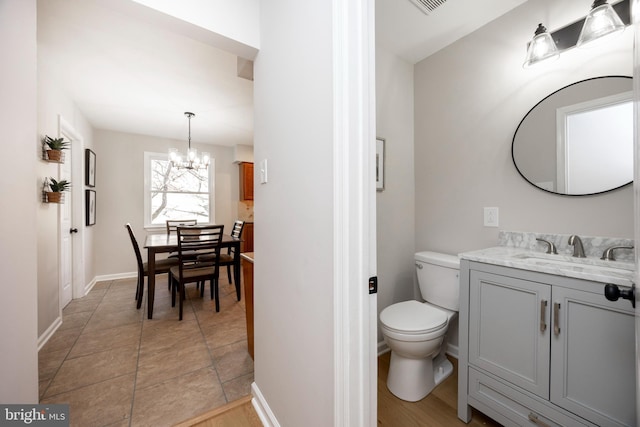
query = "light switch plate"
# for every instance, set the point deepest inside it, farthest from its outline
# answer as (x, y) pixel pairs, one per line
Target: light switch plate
(491, 217)
(263, 172)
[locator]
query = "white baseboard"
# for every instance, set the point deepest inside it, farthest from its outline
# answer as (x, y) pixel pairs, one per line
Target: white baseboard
(261, 406)
(115, 276)
(42, 340)
(90, 286)
(452, 350)
(382, 348)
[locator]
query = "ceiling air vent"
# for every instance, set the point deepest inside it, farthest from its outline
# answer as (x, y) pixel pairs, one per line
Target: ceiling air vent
(428, 6)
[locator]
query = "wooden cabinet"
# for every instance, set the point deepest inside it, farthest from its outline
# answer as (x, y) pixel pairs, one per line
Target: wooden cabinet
(246, 181)
(543, 349)
(247, 237)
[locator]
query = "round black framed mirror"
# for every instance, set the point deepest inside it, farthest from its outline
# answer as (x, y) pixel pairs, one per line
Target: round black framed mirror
(578, 140)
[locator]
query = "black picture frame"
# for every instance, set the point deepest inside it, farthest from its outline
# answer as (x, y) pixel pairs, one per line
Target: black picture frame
(90, 168)
(90, 207)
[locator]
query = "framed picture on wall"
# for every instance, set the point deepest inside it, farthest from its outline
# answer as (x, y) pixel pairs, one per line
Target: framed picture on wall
(380, 142)
(90, 206)
(90, 168)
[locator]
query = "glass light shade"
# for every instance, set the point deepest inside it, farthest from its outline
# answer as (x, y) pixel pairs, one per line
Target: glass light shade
(541, 48)
(601, 21)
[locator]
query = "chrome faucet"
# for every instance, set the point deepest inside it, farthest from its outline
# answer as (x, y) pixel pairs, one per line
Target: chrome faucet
(551, 248)
(578, 249)
(608, 253)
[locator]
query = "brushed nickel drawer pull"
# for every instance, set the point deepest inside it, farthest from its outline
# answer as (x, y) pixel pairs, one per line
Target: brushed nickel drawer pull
(543, 312)
(556, 318)
(534, 418)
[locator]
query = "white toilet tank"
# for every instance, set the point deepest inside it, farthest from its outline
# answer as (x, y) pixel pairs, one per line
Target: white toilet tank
(438, 278)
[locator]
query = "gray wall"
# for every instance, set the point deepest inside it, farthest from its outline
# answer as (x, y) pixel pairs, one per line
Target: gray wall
(395, 205)
(120, 193)
(469, 99)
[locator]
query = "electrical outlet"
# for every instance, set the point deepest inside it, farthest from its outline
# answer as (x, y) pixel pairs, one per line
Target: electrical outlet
(491, 217)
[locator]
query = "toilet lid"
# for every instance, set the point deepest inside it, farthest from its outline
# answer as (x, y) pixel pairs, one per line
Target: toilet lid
(413, 316)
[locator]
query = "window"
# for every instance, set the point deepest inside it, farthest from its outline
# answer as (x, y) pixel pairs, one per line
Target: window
(172, 193)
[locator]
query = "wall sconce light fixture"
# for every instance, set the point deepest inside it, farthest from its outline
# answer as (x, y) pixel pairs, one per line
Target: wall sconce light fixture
(603, 20)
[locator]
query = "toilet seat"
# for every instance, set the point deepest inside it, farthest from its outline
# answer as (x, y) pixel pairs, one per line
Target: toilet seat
(413, 318)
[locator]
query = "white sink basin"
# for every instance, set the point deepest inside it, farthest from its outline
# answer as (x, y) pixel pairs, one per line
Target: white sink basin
(584, 264)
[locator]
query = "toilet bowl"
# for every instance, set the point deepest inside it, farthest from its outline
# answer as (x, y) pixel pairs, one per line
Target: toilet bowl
(415, 331)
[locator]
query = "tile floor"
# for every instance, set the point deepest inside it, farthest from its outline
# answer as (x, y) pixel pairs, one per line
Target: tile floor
(114, 367)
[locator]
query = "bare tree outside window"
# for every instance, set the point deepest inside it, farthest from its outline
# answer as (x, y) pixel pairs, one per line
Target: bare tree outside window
(178, 193)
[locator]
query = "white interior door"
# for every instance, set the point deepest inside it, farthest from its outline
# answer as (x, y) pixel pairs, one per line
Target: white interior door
(66, 240)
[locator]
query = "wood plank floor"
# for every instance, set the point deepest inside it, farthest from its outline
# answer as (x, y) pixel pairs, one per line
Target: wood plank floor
(436, 410)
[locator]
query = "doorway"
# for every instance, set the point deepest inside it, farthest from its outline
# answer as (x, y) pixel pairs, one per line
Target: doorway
(71, 224)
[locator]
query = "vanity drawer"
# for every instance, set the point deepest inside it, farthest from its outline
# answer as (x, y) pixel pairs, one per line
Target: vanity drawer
(514, 408)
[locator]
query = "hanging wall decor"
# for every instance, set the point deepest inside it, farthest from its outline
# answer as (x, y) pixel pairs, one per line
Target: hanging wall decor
(90, 207)
(90, 168)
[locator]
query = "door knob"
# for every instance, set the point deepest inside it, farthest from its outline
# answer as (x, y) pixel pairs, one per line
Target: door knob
(613, 292)
(73, 230)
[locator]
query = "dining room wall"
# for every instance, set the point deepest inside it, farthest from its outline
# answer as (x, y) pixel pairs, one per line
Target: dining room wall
(120, 194)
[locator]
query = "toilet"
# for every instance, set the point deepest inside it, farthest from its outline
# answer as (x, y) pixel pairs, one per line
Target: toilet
(415, 331)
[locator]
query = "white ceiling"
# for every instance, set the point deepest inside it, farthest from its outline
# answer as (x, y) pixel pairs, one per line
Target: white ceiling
(129, 74)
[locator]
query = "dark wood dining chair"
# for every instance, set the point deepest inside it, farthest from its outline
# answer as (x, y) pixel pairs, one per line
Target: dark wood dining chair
(162, 266)
(204, 240)
(173, 224)
(228, 259)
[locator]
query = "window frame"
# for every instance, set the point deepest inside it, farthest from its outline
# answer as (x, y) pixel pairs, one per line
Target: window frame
(148, 157)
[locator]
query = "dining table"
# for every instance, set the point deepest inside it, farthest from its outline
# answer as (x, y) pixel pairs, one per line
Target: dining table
(163, 243)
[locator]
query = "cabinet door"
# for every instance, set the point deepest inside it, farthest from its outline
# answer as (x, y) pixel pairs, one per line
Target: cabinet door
(508, 332)
(593, 357)
(246, 181)
(247, 237)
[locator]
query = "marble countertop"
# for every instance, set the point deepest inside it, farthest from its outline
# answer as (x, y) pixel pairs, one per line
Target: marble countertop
(535, 259)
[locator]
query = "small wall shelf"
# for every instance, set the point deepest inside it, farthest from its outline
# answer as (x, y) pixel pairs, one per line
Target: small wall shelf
(45, 156)
(49, 196)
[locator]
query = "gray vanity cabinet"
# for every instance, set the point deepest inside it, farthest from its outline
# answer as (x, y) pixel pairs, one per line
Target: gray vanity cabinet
(508, 335)
(539, 349)
(593, 357)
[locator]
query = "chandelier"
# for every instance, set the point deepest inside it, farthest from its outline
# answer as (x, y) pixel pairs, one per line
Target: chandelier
(191, 160)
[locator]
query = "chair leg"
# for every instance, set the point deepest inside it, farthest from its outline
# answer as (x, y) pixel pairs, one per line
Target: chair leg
(214, 285)
(229, 273)
(181, 299)
(172, 282)
(139, 292)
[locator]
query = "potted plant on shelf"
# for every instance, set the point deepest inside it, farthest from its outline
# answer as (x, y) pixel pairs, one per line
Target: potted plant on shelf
(56, 145)
(57, 187)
